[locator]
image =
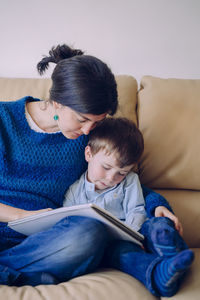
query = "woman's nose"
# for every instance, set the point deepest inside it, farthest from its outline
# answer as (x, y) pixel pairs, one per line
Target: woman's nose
(87, 128)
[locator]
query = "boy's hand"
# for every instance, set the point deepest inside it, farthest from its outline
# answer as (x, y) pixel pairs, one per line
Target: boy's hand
(162, 211)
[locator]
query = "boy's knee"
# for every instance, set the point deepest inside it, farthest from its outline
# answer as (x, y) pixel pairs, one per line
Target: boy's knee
(157, 222)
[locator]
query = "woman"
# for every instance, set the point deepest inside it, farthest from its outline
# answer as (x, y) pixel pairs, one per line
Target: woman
(41, 154)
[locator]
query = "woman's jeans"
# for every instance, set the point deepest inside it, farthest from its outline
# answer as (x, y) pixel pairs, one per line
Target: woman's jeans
(79, 245)
(72, 247)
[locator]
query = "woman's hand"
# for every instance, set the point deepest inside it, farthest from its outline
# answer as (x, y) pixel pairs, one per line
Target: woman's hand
(26, 213)
(162, 211)
(10, 213)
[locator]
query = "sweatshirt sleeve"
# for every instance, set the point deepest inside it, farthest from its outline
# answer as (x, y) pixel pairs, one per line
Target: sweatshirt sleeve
(153, 200)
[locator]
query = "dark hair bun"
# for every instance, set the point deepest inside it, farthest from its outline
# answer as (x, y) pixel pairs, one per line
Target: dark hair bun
(57, 54)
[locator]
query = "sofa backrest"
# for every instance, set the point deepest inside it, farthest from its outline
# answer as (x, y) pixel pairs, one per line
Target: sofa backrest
(16, 88)
(168, 113)
(169, 118)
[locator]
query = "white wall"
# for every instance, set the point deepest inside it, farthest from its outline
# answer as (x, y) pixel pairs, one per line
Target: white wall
(137, 37)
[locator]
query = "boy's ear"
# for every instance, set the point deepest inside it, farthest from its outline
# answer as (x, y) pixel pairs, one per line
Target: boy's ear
(88, 153)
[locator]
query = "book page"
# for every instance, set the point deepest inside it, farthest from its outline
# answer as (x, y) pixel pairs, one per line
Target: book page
(45, 220)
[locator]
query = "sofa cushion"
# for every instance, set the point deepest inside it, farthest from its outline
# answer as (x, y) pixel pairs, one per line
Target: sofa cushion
(169, 118)
(16, 88)
(106, 285)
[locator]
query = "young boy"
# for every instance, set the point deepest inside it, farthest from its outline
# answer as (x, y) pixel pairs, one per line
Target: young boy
(114, 148)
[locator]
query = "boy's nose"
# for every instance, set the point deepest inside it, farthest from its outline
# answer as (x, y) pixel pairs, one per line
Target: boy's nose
(111, 178)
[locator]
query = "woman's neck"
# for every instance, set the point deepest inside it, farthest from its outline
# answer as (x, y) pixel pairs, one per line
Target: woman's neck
(42, 114)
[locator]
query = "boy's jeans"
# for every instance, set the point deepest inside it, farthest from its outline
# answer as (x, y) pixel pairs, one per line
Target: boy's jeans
(74, 246)
(132, 259)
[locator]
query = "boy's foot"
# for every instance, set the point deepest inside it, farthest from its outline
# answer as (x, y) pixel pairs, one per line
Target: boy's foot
(169, 272)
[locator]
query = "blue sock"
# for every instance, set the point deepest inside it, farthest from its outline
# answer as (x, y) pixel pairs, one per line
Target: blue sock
(169, 272)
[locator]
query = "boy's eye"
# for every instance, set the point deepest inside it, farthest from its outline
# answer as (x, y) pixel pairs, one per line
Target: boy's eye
(122, 174)
(105, 168)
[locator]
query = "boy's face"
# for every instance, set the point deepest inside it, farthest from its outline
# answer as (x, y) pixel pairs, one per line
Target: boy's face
(103, 170)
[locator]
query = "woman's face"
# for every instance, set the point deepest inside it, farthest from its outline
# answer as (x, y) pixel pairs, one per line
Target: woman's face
(73, 124)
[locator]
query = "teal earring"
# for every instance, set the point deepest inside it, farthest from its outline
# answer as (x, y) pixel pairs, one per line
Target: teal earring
(56, 117)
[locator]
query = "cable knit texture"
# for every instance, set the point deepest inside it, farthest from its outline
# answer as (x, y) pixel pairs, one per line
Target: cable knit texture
(36, 169)
(152, 200)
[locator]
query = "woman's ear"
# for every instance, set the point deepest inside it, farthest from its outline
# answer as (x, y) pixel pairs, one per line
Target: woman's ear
(88, 153)
(56, 105)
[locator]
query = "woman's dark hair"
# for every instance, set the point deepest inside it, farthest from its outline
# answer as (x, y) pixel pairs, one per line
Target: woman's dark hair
(82, 82)
(119, 136)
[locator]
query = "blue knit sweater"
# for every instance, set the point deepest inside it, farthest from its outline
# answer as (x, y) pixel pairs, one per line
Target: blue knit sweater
(35, 168)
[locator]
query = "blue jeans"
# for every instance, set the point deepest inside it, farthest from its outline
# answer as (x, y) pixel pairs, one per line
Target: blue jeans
(137, 262)
(79, 245)
(73, 247)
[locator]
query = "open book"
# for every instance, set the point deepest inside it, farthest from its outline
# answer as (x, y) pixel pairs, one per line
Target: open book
(45, 220)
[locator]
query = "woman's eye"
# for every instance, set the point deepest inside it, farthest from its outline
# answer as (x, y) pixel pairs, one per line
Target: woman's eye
(81, 121)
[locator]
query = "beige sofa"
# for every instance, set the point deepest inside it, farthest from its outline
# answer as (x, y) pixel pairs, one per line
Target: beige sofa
(168, 113)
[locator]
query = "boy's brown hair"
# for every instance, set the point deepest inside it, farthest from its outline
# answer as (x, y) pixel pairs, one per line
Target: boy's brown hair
(120, 136)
